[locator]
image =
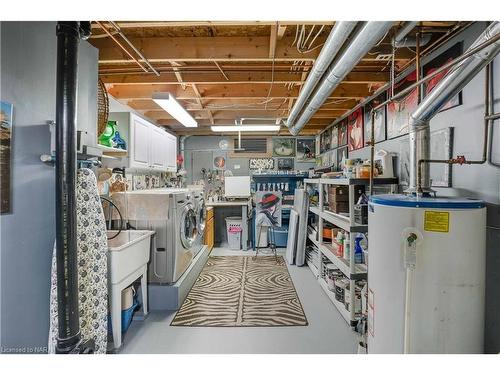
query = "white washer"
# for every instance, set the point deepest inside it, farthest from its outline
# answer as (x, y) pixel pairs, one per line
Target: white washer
(172, 252)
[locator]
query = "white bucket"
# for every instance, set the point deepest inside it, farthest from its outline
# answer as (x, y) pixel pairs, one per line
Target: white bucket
(128, 297)
(383, 163)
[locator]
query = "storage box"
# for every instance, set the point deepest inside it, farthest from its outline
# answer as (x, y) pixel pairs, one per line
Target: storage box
(338, 193)
(338, 207)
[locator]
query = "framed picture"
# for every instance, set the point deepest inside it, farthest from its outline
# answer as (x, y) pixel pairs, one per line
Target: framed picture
(355, 130)
(379, 120)
(342, 132)
(398, 111)
(328, 139)
(283, 146)
(333, 159)
(6, 131)
(448, 55)
(335, 137)
(285, 164)
(260, 163)
(306, 149)
(441, 147)
(342, 153)
(268, 208)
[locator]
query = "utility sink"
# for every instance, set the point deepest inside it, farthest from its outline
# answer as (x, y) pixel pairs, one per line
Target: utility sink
(128, 257)
(128, 251)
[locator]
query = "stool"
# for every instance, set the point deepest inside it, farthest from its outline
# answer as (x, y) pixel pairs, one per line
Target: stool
(272, 242)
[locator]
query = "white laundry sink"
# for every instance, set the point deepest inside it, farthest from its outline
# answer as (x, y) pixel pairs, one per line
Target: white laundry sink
(128, 257)
(128, 252)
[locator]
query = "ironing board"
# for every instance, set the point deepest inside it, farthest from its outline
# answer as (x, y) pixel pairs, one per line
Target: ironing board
(92, 267)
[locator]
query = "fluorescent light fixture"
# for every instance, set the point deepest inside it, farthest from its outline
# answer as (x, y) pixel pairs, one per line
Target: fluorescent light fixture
(245, 128)
(172, 106)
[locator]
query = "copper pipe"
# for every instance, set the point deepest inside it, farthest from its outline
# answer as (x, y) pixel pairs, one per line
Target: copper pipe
(417, 66)
(372, 150)
(461, 160)
(121, 46)
(439, 70)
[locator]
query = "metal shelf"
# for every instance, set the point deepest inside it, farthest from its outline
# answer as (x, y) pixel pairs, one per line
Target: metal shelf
(339, 305)
(342, 221)
(314, 210)
(360, 271)
(358, 181)
(311, 180)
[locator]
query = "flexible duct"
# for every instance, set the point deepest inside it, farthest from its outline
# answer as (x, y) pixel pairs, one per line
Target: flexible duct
(454, 81)
(333, 44)
(369, 34)
(404, 31)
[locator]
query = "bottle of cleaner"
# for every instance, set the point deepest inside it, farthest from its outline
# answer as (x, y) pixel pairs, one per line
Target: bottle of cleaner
(358, 250)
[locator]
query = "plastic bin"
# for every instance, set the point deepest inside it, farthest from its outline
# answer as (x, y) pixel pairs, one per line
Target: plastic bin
(127, 315)
(280, 236)
(234, 228)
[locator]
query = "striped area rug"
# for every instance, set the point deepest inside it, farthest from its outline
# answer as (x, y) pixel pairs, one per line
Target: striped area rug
(241, 291)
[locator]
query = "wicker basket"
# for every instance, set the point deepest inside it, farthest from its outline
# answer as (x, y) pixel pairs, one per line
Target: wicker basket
(102, 107)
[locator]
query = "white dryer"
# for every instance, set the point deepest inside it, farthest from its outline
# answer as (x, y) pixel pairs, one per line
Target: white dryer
(198, 196)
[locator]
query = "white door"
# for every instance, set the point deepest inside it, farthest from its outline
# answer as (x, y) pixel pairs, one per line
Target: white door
(158, 145)
(171, 152)
(140, 136)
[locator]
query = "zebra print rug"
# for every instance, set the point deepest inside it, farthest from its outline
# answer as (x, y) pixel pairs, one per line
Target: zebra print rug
(240, 291)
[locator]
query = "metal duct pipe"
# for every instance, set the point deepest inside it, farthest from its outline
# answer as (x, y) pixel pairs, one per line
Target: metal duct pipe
(333, 44)
(369, 34)
(182, 147)
(454, 81)
(404, 31)
(411, 41)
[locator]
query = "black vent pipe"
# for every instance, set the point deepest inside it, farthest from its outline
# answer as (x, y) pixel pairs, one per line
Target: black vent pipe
(69, 338)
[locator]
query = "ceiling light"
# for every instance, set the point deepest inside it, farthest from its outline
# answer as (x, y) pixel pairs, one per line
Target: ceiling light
(245, 128)
(172, 106)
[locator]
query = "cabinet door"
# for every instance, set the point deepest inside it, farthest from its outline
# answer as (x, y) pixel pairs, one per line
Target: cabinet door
(158, 145)
(140, 137)
(171, 152)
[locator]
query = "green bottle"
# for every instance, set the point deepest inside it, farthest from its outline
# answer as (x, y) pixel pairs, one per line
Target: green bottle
(108, 133)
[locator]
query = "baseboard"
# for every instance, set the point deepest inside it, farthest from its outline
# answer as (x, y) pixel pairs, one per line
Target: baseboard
(171, 297)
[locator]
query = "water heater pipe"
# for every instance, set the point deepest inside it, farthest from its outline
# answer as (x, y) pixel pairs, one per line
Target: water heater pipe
(454, 81)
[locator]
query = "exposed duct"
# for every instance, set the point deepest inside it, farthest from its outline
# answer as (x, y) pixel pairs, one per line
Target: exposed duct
(454, 81)
(404, 31)
(333, 44)
(411, 41)
(369, 34)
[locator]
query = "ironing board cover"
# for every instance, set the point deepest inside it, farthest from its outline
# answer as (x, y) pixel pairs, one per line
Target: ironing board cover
(92, 267)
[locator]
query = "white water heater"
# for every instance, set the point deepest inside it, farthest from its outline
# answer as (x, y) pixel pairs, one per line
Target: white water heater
(426, 278)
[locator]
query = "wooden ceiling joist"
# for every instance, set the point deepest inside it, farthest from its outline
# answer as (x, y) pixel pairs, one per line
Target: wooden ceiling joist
(145, 91)
(236, 78)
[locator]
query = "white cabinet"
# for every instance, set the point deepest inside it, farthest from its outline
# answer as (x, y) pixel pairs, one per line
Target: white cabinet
(151, 147)
(139, 142)
(171, 152)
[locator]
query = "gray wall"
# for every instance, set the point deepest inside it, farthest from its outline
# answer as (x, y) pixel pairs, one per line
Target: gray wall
(473, 181)
(28, 81)
(199, 155)
(28, 68)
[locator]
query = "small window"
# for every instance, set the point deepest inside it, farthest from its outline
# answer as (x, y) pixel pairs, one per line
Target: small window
(253, 147)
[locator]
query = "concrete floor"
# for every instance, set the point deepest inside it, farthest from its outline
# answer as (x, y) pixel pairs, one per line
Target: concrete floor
(326, 333)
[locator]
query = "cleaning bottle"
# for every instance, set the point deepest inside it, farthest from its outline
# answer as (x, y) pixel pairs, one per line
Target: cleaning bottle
(358, 250)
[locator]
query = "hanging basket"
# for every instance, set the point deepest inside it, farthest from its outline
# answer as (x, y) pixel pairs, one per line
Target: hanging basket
(102, 107)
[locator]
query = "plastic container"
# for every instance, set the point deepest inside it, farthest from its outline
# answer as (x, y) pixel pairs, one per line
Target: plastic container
(233, 226)
(383, 164)
(280, 236)
(127, 316)
(128, 298)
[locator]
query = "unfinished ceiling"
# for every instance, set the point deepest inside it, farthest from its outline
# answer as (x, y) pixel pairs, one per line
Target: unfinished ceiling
(224, 71)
